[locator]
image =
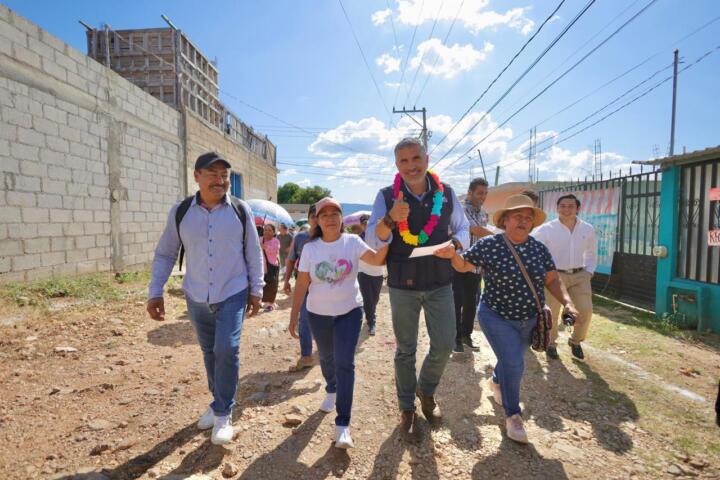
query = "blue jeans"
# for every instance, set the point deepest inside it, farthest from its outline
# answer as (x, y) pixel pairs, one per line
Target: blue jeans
(218, 327)
(304, 331)
(440, 322)
(509, 340)
(336, 339)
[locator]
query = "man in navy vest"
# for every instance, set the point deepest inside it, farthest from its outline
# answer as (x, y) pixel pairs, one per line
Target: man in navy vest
(420, 282)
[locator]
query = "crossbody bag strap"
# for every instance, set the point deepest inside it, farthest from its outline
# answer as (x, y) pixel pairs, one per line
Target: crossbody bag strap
(538, 304)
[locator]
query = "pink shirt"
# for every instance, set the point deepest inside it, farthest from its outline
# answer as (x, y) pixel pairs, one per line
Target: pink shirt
(272, 249)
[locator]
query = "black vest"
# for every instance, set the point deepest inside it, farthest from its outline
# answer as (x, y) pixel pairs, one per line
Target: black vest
(423, 273)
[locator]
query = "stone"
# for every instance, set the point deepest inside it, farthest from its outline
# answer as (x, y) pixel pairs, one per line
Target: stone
(674, 470)
(258, 397)
(293, 420)
(97, 425)
(65, 349)
(125, 444)
(99, 449)
(229, 470)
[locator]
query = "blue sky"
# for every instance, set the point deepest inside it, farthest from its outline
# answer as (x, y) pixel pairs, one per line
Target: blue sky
(299, 62)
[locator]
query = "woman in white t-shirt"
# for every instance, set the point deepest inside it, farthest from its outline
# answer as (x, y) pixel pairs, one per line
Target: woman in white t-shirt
(328, 271)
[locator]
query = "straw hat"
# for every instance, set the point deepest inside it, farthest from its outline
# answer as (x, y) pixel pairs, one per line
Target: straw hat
(517, 202)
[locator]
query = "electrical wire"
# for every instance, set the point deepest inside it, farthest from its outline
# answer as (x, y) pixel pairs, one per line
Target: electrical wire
(432, 30)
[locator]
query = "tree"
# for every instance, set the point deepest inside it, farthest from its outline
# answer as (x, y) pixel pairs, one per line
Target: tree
(293, 193)
(287, 192)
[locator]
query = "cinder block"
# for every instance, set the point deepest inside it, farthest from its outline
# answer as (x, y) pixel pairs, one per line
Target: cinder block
(35, 215)
(27, 184)
(50, 259)
(85, 241)
(94, 228)
(87, 267)
(5, 264)
(21, 151)
(26, 262)
(50, 229)
(37, 245)
(73, 203)
(51, 157)
(58, 144)
(21, 199)
(77, 189)
(16, 117)
(8, 164)
(14, 34)
(11, 247)
(24, 25)
(32, 167)
(32, 138)
(51, 68)
(66, 62)
(62, 243)
(96, 253)
(54, 186)
(73, 229)
(60, 216)
(77, 255)
(52, 41)
(64, 269)
(82, 215)
(70, 134)
(41, 48)
(27, 56)
(59, 173)
(46, 126)
(55, 114)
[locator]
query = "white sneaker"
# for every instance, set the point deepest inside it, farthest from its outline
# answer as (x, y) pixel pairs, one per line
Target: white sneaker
(222, 430)
(515, 429)
(328, 405)
(207, 420)
(495, 390)
(342, 438)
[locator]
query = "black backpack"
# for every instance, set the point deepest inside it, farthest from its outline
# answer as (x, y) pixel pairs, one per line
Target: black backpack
(237, 205)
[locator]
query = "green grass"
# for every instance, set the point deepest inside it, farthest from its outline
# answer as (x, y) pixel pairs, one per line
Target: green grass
(93, 287)
(638, 318)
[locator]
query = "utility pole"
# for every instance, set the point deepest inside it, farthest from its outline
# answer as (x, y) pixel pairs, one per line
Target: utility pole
(482, 164)
(597, 159)
(674, 100)
(424, 134)
(531, 154)
(497, 175)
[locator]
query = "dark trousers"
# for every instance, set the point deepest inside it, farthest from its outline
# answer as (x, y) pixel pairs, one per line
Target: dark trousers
(336, 339)
(370, 287)
(466, 289)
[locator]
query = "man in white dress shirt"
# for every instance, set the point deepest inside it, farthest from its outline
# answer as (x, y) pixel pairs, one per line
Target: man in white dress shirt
(573, 246)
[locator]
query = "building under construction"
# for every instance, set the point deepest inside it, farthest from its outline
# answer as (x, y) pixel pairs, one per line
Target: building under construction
(166, 64)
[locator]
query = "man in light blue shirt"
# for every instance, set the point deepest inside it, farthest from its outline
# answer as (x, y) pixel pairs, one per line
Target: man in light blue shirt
(224, 277)
(418, 210)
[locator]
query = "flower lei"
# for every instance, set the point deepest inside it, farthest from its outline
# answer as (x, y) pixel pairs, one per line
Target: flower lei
(427, 230)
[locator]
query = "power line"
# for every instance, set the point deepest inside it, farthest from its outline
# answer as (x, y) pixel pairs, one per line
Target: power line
(362, 53)
(566, 72)
(635, 67)
(512, 60)
(622, 107)
(437, 57)
(432, 30)
(407, 57)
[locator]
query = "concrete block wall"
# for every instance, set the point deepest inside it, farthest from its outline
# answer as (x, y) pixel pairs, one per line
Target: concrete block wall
(90, 163)
(259, 175)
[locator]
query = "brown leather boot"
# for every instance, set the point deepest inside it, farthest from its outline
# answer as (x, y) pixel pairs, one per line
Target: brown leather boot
(407, 421)
(429, 407)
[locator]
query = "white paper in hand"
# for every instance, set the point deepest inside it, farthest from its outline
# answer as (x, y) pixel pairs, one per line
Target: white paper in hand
(424, 251)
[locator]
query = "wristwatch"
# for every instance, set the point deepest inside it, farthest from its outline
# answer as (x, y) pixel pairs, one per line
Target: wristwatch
(456, 243)
(388, 221)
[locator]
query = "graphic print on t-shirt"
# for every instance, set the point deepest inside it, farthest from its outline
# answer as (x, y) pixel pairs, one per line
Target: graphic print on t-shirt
(327, 272)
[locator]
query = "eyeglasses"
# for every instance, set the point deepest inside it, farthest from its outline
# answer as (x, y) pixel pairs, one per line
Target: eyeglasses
(216, 176)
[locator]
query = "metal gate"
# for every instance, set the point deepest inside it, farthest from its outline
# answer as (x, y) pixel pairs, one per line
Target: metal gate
(630, 234)
(696, 260)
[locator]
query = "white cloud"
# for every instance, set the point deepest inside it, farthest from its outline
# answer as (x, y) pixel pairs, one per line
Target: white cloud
(289, 171)
(359, 155)
(381, 16)
(472, 13)
(391, 64)
(393, 84)
(305, 182)
(437, 59)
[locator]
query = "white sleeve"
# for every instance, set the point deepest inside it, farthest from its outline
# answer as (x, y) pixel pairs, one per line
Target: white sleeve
(304, 263)
(359, 247)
